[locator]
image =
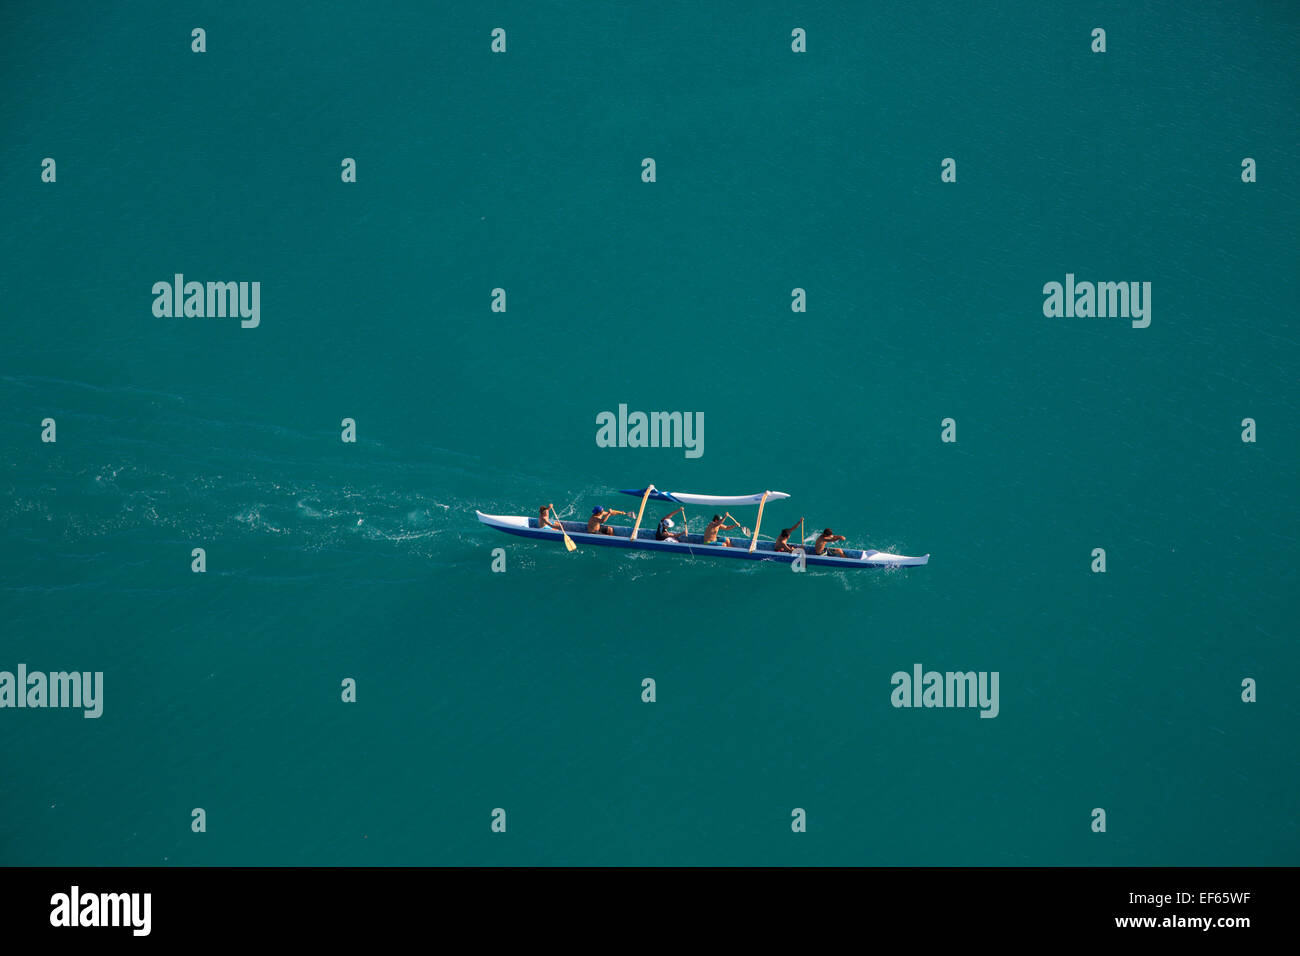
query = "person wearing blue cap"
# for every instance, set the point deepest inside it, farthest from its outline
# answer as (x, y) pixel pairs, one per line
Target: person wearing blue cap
(599, 515)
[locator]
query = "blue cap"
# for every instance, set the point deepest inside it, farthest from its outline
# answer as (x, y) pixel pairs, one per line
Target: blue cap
(597, 510)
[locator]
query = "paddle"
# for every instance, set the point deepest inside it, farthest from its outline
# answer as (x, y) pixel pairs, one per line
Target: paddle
(743, 530)
(568, 542)
(812, 537)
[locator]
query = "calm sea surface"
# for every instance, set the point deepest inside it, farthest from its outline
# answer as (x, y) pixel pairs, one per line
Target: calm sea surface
(521, 690)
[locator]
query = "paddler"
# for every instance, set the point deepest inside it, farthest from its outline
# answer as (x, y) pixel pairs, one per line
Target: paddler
(718, 524)
(544, 518)
(665, 532)
(825, 538)
(782, 542)
(599, 515)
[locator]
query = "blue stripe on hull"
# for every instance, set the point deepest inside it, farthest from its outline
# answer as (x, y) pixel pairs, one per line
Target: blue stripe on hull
(704, 551)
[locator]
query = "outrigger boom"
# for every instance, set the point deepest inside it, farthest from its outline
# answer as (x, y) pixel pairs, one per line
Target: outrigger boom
(693, 544)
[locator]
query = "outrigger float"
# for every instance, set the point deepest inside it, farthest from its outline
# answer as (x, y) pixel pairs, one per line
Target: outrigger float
(693, 544)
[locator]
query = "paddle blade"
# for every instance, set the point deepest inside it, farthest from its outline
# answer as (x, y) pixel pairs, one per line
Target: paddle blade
(568, 543)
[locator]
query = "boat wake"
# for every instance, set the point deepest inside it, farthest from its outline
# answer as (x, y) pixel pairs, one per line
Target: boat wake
(75, 510)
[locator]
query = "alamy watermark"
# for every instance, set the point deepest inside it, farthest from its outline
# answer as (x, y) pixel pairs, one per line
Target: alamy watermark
(950, 689)
(199, 300)
(58, 689)
(75, 908)
(1119, 300)
(652, 430)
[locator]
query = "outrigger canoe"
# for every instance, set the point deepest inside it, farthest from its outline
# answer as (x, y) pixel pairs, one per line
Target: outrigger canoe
(743, 549)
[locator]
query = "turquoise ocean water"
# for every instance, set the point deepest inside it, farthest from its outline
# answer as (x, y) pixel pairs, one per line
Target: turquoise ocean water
(521, 690)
